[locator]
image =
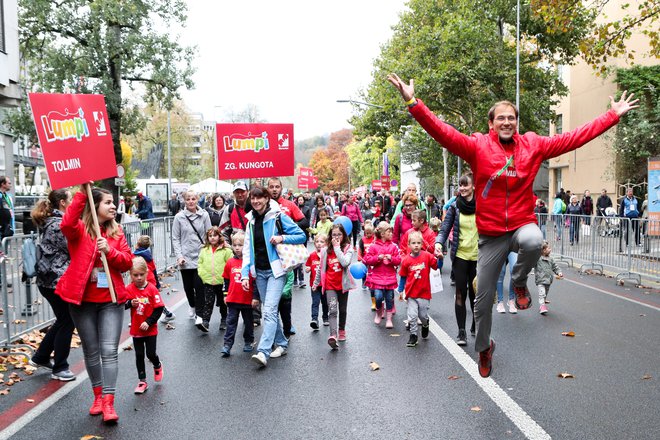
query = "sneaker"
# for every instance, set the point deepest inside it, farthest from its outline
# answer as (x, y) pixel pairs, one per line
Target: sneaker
(543, 309)
(225, 351)
(461, 339)
(332, 342)
(412, 341)
(168, 318)
(425, 331)
(260, 359)
(326, 323)
(191, 313)
(158, 373)
(486, 360)
(473, 330)
(292, 331)
(203, 326)
(48, 365)
(314, 324)
(248, 347)
(342, 335)
(256, 323)
(452, 283)
(302, 284)
(500, 307)
(141, 387)
(523, 298)
(278, 352)
(223, 324)
(64, 376)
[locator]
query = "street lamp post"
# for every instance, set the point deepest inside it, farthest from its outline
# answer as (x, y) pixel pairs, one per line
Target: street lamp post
(169, 154)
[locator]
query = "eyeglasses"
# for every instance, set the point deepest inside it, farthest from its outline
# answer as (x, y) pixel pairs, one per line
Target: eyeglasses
(337, 235)
(408, 206)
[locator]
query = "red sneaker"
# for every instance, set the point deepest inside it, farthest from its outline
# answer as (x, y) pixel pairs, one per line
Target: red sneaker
(486, 360)
(97, 406)
(109, 414)
(332, 342)
(523, 298)
(141, 387)
(342, 335)
(158, 373)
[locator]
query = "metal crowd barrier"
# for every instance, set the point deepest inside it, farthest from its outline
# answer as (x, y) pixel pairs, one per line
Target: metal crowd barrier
(630, 248)
(23, 308)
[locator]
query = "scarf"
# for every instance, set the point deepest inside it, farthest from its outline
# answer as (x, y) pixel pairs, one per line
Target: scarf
(465, 207)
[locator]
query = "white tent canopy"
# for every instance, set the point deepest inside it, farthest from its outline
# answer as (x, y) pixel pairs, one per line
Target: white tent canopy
(212, 185)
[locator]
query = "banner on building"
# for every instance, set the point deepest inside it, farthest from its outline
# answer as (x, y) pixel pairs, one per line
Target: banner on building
(254, 150)
(654, 196)
(75, 139)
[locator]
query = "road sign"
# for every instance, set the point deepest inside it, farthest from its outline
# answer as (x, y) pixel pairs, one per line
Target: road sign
(120, 182)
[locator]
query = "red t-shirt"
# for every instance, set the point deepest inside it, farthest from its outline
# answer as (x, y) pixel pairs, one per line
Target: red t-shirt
(365, 242)
(237, 218)
(333, 272)
(417, 271)
(314, 263)
(93, 293)
(289, 208)
(235, 292)
(149, 300)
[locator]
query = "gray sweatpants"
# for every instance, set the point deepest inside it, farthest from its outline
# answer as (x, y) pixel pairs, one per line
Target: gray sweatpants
(418, 308)
(526, 241)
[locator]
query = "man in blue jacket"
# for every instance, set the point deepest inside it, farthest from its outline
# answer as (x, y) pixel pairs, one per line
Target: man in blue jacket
(145, 210)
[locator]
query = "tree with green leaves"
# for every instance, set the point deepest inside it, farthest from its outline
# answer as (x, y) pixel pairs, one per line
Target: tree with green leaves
(105, 46)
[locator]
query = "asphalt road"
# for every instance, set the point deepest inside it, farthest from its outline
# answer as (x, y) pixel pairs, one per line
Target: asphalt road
(313, 393)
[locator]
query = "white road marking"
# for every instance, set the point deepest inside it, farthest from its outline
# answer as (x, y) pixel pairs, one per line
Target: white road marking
(513, 411)
(57, 395)
(615, 295)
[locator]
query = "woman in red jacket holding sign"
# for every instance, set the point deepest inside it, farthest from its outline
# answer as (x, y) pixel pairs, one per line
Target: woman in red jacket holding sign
(85, 287)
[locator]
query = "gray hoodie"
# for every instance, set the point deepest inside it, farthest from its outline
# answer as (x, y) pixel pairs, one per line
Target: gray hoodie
(185, 239)
(545, 268)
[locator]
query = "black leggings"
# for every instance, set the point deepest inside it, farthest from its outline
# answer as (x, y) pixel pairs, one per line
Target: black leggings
(285, 312)
(355, 232)
(140, 344)
(464, 273)
(192, 284)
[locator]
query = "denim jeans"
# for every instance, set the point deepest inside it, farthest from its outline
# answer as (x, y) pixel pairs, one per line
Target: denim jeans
(270, 292)
(233, 310)
(511, 260)
(387, 295)
(318, 297)
(99, 327)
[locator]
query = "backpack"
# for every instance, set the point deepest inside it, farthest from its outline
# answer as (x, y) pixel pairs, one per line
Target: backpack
(29, 257)
(563, 207)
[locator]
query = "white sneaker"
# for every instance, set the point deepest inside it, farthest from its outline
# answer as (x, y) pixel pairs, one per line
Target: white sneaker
(278, 352)
(500, 307)
(166, 318)
(260, 359)
(512, 307)
(191, 313)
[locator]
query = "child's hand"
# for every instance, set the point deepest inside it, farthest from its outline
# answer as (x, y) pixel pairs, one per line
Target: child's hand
(135, 302)
(246, 284)
(381, 257)
(402, 296)
(560, 276)
(255, 303)
(307, 269)
(144, 326)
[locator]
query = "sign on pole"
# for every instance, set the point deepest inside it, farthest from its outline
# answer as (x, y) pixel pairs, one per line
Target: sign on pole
(74, 133)
(376, 185)
(654, 196)
(385, 182)
(254, 150)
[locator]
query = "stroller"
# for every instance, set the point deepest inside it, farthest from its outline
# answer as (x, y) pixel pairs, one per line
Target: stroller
(609, 223)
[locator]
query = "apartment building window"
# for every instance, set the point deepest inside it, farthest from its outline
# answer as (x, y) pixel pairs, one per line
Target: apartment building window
(2, 26)
(559, 124)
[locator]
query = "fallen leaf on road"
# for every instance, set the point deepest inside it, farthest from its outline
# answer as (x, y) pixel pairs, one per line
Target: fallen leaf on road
(646, 377)
(90, 437)
(642, 314)
(4, 392)
(169, 327)
(374, 366)
(566, 376)
(3, 367)
(175, 290)
(454, 377)
(569, 334)
(394, 335)
(30, 400)
(475, 409)
(128, 348)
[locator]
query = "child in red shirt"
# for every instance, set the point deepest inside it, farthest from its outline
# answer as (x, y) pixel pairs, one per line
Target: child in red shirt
(335, 280)
(363, 248)
(146, 307)
(415, 275)
(420, 225)
(238, 300)
(312, 266)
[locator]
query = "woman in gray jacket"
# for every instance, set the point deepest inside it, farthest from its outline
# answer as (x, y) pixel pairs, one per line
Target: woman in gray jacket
(188, 230)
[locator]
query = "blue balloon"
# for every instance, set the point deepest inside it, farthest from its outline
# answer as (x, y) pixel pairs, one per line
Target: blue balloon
(358, 270)
(345, 222)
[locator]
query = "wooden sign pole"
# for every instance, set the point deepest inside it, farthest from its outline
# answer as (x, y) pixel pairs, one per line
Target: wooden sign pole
(97, 229)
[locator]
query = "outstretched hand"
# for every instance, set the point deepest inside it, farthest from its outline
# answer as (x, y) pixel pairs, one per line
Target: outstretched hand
(407, 90)
(623, 105)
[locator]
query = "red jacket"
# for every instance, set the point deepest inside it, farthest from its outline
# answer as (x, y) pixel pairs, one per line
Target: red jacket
(383, 273)
(290, 209)
(84, 253)
(402, 223)
(428, 238)
(509, 204)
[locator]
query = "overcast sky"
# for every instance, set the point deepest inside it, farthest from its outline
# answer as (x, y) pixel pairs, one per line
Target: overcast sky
(291, 58)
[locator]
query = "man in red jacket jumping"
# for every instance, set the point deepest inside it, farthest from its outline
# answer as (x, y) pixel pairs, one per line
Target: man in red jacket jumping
(504, 164)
